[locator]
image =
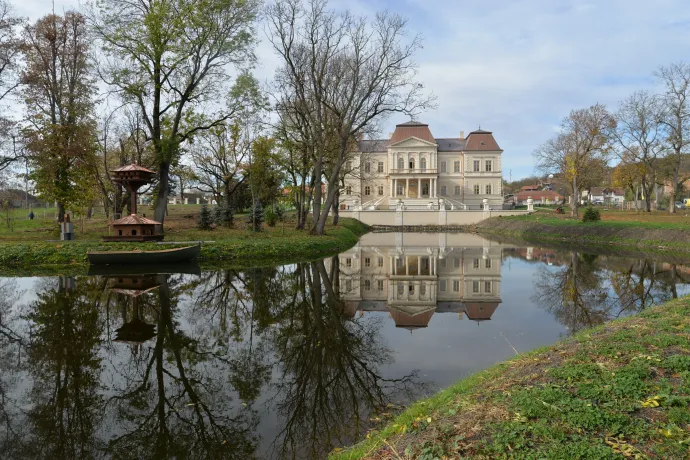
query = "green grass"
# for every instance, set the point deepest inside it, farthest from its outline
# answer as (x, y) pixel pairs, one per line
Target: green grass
(238, 247)
(621, 390)
(547, 218)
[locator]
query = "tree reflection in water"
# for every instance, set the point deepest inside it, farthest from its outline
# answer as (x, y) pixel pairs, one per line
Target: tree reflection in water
(588, 290)
(227, 346)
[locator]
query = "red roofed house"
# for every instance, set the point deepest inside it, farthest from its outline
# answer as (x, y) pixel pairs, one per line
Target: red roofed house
(539, 197)
(414, 166)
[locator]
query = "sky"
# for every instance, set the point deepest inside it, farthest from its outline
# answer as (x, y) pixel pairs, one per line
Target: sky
(516, 67)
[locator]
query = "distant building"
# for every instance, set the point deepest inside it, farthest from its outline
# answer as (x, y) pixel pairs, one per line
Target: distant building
(419, 169)
(539, 197)
(18, 198)
(604, 195)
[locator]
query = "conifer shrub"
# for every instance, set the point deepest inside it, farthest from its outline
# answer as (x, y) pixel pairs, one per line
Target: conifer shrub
(256, 217)
(205, 221)
(591, 215)
(224, 215)
(271, 217)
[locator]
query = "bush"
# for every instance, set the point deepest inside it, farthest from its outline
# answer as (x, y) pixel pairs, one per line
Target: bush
(224, 215)
(591, 215)
(256, 217)
(205, 221)
(271, 217)
(280, 212)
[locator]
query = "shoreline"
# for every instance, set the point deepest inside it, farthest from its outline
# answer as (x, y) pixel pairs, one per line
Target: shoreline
(46, 259)
(618, 389)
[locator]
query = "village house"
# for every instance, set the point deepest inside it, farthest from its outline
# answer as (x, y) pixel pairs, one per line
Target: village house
(539, 197)
(419, 169)
(603, 195)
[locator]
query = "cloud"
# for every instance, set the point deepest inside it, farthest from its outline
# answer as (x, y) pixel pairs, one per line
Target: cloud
(517, 67)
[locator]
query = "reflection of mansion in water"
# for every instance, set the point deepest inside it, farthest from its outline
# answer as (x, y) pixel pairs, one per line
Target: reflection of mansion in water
(414, 276)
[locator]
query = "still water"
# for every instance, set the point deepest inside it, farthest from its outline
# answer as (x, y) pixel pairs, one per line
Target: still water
(289, 361)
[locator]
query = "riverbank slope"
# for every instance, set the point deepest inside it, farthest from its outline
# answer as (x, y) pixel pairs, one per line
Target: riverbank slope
(618, 390)
(543, 227)
(272, 246)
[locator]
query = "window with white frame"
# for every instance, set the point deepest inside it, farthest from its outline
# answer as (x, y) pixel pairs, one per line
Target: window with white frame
(422, 164)
(367, 262)
(442, 285)
(348, 190)
(380, 261)
(443, 166)
(456, 166)
(367, 167)
(487, 263)
(367, 190)
(488, 165)
(401, 163)
(456, 285)
(487, 286)
(399, 189)
(380, 190)
(475, 287)
(379, 285)
(476, 189)
(367, 285)
(475, 265)
(488, 189)
(380, 168)
(425, 188)
(348, 262)
(456, 262)
(457, 190)
(411, 163)
(443, 190)
(476, 166)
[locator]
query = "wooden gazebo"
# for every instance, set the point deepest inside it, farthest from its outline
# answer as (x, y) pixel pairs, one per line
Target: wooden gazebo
(133, 227)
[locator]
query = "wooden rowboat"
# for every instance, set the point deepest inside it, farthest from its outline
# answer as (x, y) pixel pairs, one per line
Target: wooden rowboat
(165, 256)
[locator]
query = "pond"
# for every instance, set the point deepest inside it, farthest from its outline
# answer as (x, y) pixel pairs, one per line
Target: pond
(289, 361)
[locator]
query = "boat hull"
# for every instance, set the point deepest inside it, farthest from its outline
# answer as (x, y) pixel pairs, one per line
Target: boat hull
(166, 256)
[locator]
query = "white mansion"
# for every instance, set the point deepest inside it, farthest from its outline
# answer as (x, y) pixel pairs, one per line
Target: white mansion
(415, 167)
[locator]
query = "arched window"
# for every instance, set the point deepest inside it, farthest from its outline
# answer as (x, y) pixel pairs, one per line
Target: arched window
(411, 163)
(401, 163)
(422, 164)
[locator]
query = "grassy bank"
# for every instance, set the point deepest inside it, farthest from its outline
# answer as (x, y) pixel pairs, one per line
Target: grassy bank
(658, 232)
(621, 390)
(228, 247)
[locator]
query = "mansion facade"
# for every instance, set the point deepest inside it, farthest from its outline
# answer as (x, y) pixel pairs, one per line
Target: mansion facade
(419, 170)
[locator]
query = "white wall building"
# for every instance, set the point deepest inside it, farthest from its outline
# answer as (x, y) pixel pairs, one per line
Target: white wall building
(417, 168)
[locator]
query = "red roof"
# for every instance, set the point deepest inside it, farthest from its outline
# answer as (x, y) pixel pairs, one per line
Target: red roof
(481, 140)
(412, 129)
(132, 167)
(480, 311)
(133, 219)
(529, 187)
(415, 318)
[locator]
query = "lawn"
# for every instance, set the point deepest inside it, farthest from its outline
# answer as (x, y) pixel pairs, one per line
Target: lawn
(621, 390)
(620, 219)
(31, 246)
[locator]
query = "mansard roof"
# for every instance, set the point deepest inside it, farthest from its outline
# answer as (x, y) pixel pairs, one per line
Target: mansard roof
(450, 144)
(481, 140)
(373, 146)
(412, 129)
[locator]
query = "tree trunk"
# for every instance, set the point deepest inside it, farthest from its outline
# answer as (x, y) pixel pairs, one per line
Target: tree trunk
(575, 201)
(89, 212)
(674, 188)
(336, 210)
(161, 205)
(60, 212)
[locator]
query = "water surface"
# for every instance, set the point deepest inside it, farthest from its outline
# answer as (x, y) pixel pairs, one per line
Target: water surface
(289, 361)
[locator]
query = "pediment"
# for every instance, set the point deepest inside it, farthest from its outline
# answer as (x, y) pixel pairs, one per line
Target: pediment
(412, 142)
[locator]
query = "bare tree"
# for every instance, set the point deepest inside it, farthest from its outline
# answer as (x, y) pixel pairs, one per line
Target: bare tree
(580, 144)
(676, 119)
(340, 75)
(171, 59)
(10, 54)
(638, 136)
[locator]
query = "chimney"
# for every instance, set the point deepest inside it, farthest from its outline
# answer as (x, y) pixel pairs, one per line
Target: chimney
(462, 135)
(390, 135)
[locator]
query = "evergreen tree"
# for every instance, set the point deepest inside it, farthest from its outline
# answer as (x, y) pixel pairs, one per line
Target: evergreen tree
(256, 217)
(205, 221)
(224, 215)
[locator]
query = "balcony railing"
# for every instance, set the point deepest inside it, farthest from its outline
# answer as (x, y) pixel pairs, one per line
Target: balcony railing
(414, 171)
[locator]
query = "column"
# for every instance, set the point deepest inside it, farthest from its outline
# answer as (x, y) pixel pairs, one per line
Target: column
(419, 265)
(407, 265)
(419, 188)
(392, 191)
(407, 188)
